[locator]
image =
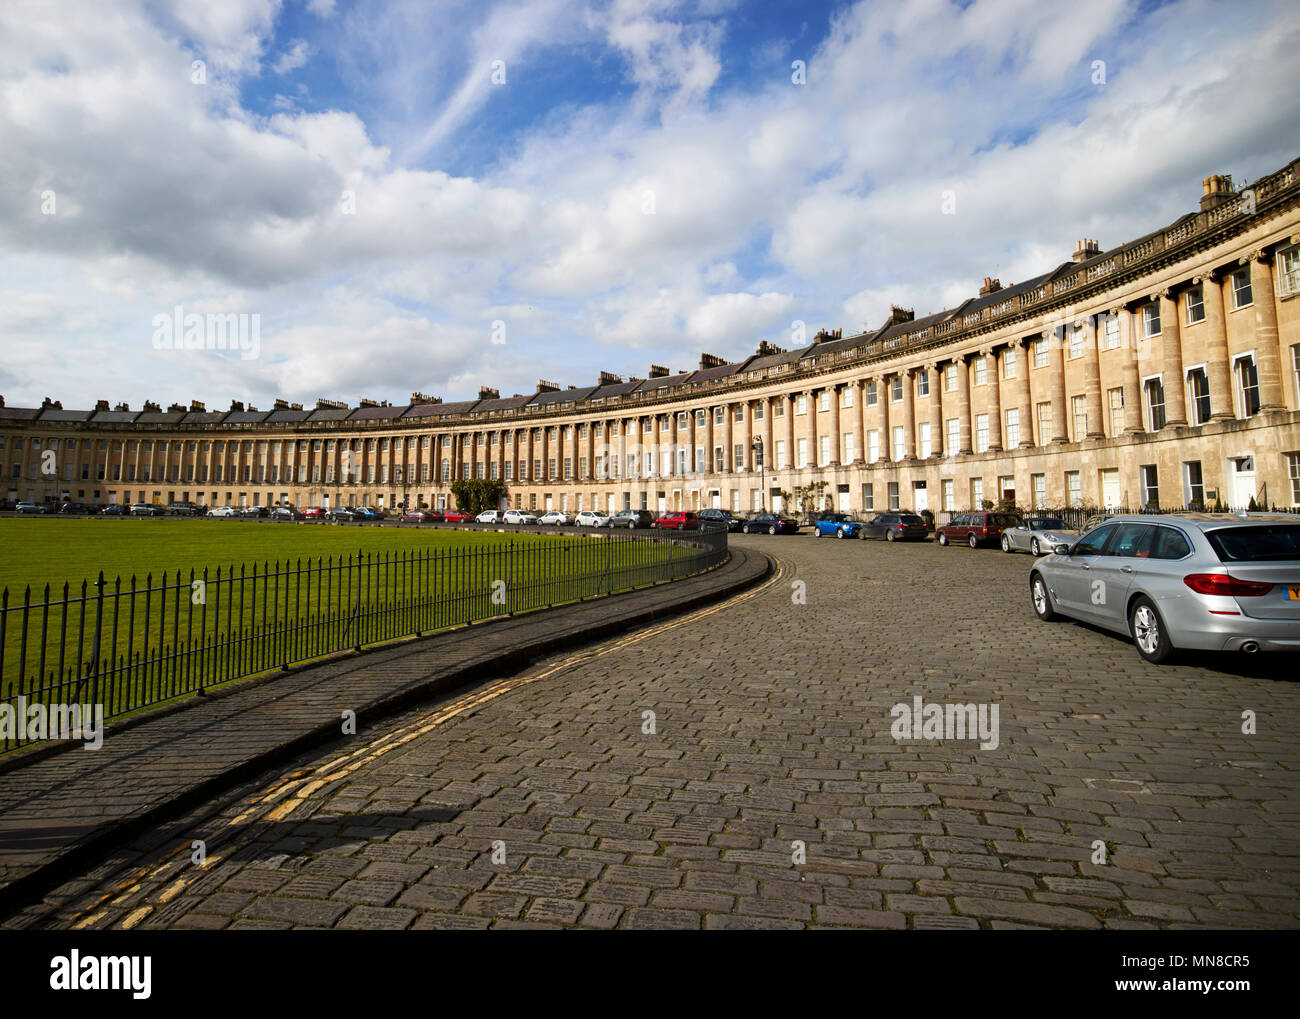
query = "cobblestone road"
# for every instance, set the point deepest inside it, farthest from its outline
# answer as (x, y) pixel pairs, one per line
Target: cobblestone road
(540, 800)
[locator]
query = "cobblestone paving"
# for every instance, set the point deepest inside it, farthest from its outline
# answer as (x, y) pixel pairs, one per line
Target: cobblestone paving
(772, 728)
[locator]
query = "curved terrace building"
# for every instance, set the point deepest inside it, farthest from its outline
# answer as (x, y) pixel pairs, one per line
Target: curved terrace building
(1163, 371)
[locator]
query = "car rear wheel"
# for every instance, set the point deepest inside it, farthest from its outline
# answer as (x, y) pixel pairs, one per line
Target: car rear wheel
(889, 535)
(1033, 547)
(772, 529)
(817, 532)
(745, 529)
(1041, 598)
(973, 541)
(1006, 543)
(943, 538)
(1149, 633)
(841, 533)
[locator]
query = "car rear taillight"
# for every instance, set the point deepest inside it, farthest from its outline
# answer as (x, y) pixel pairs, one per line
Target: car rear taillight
(1222, 584)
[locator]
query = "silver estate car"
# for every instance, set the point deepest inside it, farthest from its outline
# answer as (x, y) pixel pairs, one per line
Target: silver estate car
(1210, 582)
(1038, 535)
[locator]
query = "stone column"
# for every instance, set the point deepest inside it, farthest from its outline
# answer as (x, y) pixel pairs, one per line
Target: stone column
(1217, 372)
(883, 397)
(862, 419)
(1092, 380)
(789, 432)
(729, 437)
(655, 447)
(769, 434)
(937, 437)
(1132, 385)
(909, 413)
(747, 437)
(963, 405)
(1171, 359)
(993, 398)
(1056, 354)
(1268, 360)
(814, 458)
(837, 440)
(1025, 395)
(710, 461)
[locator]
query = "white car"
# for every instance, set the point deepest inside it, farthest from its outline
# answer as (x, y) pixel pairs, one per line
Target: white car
(514, 516)
(488, 517)
(556, 517)
(591, 518)
(224, 511)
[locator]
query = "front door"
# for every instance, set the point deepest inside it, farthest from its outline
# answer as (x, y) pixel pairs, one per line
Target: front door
(920, 498)
(1110, 489)
(1241, 481)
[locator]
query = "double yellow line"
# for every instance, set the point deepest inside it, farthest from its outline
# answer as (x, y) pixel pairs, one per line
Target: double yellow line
(289, 792)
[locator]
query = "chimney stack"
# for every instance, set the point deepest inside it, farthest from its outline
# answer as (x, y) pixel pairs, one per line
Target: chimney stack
(488, 393)
(543, 386)
(711, 361)
(610, 379)
(195, 406)
(990, 285)
(658, 371)
(1216, 189)
(1084, 249)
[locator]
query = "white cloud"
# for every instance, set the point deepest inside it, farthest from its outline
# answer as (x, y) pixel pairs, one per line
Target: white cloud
(293, 58)
(767, 201)
(732, 317)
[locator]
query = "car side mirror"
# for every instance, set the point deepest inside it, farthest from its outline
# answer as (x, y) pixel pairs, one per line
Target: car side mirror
(1061, 549)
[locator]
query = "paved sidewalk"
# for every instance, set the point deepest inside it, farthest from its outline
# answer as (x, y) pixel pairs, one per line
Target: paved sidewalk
(59, 812)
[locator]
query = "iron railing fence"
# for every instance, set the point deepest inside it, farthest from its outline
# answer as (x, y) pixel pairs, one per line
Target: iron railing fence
(127, 644)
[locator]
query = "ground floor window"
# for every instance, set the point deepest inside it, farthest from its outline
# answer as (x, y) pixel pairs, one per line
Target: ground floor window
(1073, 488)
(1040, 491)
(868, 497)
(1293, 472)
(1150, 485)
(949, 496)
(893, 495)
(1193, 483)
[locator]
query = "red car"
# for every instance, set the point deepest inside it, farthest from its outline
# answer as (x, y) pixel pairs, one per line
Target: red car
(976, 529)
(457, 517)
(416, 517)
(312, 513)
(678, 520)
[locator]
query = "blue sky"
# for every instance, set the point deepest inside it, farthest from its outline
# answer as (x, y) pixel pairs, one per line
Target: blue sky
(648, 182)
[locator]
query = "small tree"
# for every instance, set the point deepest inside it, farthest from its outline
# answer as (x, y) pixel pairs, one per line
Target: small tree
(474, 495)
(808, 496)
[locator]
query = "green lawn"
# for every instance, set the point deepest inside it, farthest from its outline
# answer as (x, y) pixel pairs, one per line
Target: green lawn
(40, 551)
(272, 595)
